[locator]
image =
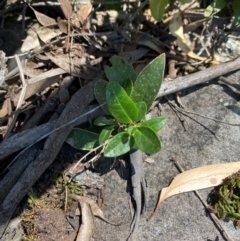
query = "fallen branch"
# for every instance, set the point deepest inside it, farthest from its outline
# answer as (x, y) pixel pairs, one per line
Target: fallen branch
(21, 140)
(197, 78)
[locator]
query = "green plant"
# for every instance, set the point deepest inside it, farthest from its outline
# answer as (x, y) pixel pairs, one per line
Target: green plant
(157, 7)
(214, 7)
(217, 5)
(127, 97)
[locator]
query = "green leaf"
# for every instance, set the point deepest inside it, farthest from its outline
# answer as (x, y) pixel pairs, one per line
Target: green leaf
(236, 8)
(214, 8)
(118, 145)
(155, 124)
(185, 1)
(120, 71)
(157, 8)
(104, 121)
(149, 81)
(119, 104)
(112, 5)
(105, 134)
(100, 93)
(142, 110)
(82, 139)
(128, 85)
(146, 140)
(131, 130)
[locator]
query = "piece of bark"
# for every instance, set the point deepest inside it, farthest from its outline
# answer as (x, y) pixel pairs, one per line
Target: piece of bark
(21, 140)
(13, 174)
(48, 106)
(80, 101)
(139, 187)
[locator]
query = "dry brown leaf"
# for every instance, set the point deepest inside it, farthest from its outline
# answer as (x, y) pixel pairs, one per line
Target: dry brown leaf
(63, 25)
(176, 29)
(148, 42)
(84, 12)
(66, 8)
(71, 66)
(198, 178)
(32, 41)
(43, 19)
(95, 209)
(75, 66)
(3, 108)
(86, 229)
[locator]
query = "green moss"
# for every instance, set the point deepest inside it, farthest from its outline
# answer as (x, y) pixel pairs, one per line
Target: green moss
(226, 201)
(72, 186)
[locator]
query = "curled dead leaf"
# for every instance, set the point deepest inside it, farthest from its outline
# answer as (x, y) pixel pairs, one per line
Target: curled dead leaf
(86, 229)
(84, 12)
(46, 34)
(94, 207)
(66, 8)
(176, 29)
(43, 19)
(4, 108)
(196, 179)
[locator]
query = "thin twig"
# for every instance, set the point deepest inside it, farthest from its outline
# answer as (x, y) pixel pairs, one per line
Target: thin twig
(213, 216)
(66, 192)
(64, 37)
(132, 16)
(21, 98)
(205, 117)
(73, 170)
(114, 162)
(178, 114)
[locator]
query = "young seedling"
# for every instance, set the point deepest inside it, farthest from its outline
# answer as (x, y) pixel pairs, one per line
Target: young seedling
(126, 98)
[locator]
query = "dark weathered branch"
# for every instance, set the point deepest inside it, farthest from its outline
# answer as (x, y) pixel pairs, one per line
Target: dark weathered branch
(21, 140)
(197, 78)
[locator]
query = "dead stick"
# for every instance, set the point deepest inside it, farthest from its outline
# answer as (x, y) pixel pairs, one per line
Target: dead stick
(21, 140)
(200, 77)
(20, 100)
